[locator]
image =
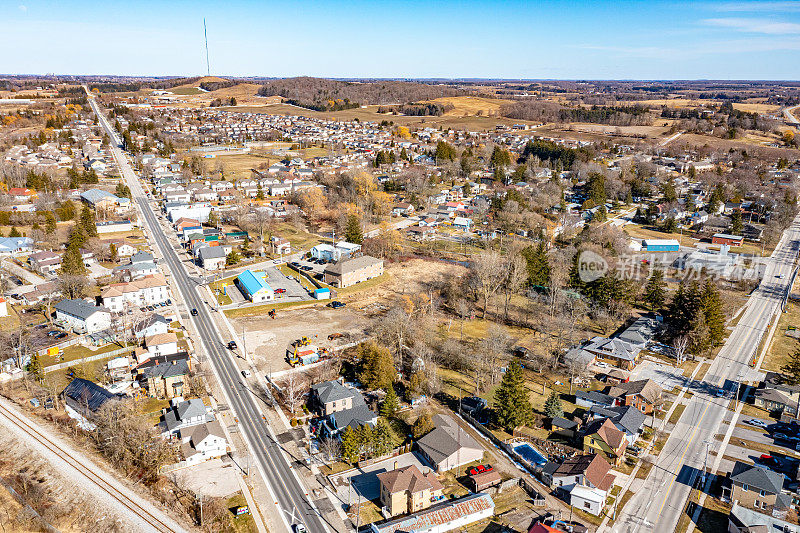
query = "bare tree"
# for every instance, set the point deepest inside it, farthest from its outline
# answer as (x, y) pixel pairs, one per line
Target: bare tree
(516, 274)
(330, 448)
(294, 387)
(488, 271)
(680, 344)
(463, 310)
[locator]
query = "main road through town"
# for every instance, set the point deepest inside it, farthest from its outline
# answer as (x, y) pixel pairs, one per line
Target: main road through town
(658, 504)
(292, 499)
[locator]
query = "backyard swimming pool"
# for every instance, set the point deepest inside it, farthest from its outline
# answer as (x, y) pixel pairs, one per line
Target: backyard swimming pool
(527, 452)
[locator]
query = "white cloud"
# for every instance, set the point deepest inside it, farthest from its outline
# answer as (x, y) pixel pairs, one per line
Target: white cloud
(23, 8)
(754, 25)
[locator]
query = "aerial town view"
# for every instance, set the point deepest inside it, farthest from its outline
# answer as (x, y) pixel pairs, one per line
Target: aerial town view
(400, 267)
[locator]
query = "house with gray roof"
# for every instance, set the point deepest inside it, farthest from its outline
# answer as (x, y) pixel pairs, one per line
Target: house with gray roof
(211, 257)
(641, 331)
(183, 414)
(82, 317)
(757, 487)
(448, 445)
(85, 396)
(165, 380)
(626, 418)
(341, 406)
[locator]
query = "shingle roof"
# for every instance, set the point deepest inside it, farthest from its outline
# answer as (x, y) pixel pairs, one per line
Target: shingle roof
(351, 265)
(410, 479)
(646, 388)
(757, 476)
(332, 391)
(79, 308)
(167, 370)
(445, 439)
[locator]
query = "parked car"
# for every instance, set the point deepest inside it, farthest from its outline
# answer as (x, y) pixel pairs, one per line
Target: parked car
(336, 304)
(60, 335)
(601, 364)
(480, 469)
(295, 264)
(280, 291)
(756, 422)
(53, 333)
(306, 268)
(634, 450)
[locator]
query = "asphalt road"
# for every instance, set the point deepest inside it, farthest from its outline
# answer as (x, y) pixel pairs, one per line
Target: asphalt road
(658, 504)
(288, 491)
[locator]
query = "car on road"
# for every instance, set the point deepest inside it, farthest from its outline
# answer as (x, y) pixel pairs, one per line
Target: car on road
(757, 423)
(280, 291)
(336, 304)
(194, 312)
(719, 393)
(779, 276)
(299, 528)
(232, 345)
(246, 373)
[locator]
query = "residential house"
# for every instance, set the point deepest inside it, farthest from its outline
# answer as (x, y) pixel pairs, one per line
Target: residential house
(82, 316)
(602, 436)
(341, 406)
(593, 398)
(329, 252)
(85, 397)
(212, 257)
(742, 519)
(203, 442)
(254, 286)
(584, 480)
(614, 351)
(641, 332)
(280, 245)
(448, 445)
(421, 233)
(403, 209)
(45, 262)
(148, 290)
(347, 272)
(777, 394)
(643, 394)
(627, 418)
(164, 379)
(15, 245)
(408, 490)
(182, 414)
(154, 324)
(757, 487)
(161, 344)
(440, 518)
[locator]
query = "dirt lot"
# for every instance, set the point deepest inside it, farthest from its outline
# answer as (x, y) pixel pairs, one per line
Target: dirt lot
(267, 339)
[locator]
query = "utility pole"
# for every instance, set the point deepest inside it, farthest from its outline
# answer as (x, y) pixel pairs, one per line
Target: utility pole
(705, 462)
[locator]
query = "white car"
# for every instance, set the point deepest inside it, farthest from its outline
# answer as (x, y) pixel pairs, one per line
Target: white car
(757, 423)
(246, 373)
(601, 364)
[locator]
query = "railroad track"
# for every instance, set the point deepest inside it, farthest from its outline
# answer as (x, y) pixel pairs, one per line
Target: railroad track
(156, 523)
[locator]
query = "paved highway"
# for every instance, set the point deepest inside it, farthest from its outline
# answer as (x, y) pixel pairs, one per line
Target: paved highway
(788, 114)
(289, 493)
(658, 504)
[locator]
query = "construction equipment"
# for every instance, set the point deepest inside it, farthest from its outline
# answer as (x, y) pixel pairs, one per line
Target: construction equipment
(272, 314)
(302, 353)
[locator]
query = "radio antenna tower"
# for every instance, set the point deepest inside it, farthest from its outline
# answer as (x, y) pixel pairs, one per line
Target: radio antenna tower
(205, 34)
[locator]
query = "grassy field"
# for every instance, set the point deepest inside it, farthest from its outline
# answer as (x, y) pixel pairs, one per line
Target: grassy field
(636, 231)
(186, 91)
(782, 345)
(472, 105)
(299, 238)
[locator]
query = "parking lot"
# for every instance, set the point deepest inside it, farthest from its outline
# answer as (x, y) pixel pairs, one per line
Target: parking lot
(287, 289)
(667, 376)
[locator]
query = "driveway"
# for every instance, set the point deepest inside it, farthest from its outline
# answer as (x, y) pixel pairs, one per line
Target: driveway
(668, 377)
(365, 481)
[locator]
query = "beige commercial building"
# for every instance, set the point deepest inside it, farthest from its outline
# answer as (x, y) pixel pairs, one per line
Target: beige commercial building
(348, 272)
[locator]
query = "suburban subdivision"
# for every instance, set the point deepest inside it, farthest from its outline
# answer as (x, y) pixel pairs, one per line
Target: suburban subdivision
(251, 304)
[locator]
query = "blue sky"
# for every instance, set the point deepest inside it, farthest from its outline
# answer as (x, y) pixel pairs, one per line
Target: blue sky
(435, 38)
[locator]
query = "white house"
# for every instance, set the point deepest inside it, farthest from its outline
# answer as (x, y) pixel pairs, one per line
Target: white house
(82, 316)
(330, 253)
(211, 257)
(149, 290)
(161, 344)
(154, 324)
(203, 442)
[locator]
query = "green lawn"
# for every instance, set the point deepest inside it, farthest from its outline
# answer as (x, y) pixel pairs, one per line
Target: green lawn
(72, 353)
(782, 345)
(238, 524)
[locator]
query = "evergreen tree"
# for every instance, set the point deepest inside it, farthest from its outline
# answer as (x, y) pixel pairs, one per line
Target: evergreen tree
(77, 237)
(553, 407)
(575, 280)
(596, 188)
(422, 425)
(260, 193)
(112, 252)
(655, 292)
(35, 368)
(403, 155)
(87, 222)
(366, 440)
(50, 225)
(698, 335)
(67, 211)
(351, 447)
(353, 232)
(511, 403)
(72, 262)
(500, 158)
(382, 438)
(538, 265)
(14, 232)
(232, 258)
(377, 366)
(390, 403)
(444, 152)
(713, 312)
(670, 225)
(736, 223)
(791, 369)
(601, 215)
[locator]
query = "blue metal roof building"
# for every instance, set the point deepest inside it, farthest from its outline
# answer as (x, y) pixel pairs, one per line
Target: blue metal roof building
(254, 286)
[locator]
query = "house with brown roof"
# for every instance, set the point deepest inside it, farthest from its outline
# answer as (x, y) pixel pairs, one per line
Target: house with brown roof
(644, 394)
(408, 490)
(347, 272)
(602, 436)
(584, 481)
